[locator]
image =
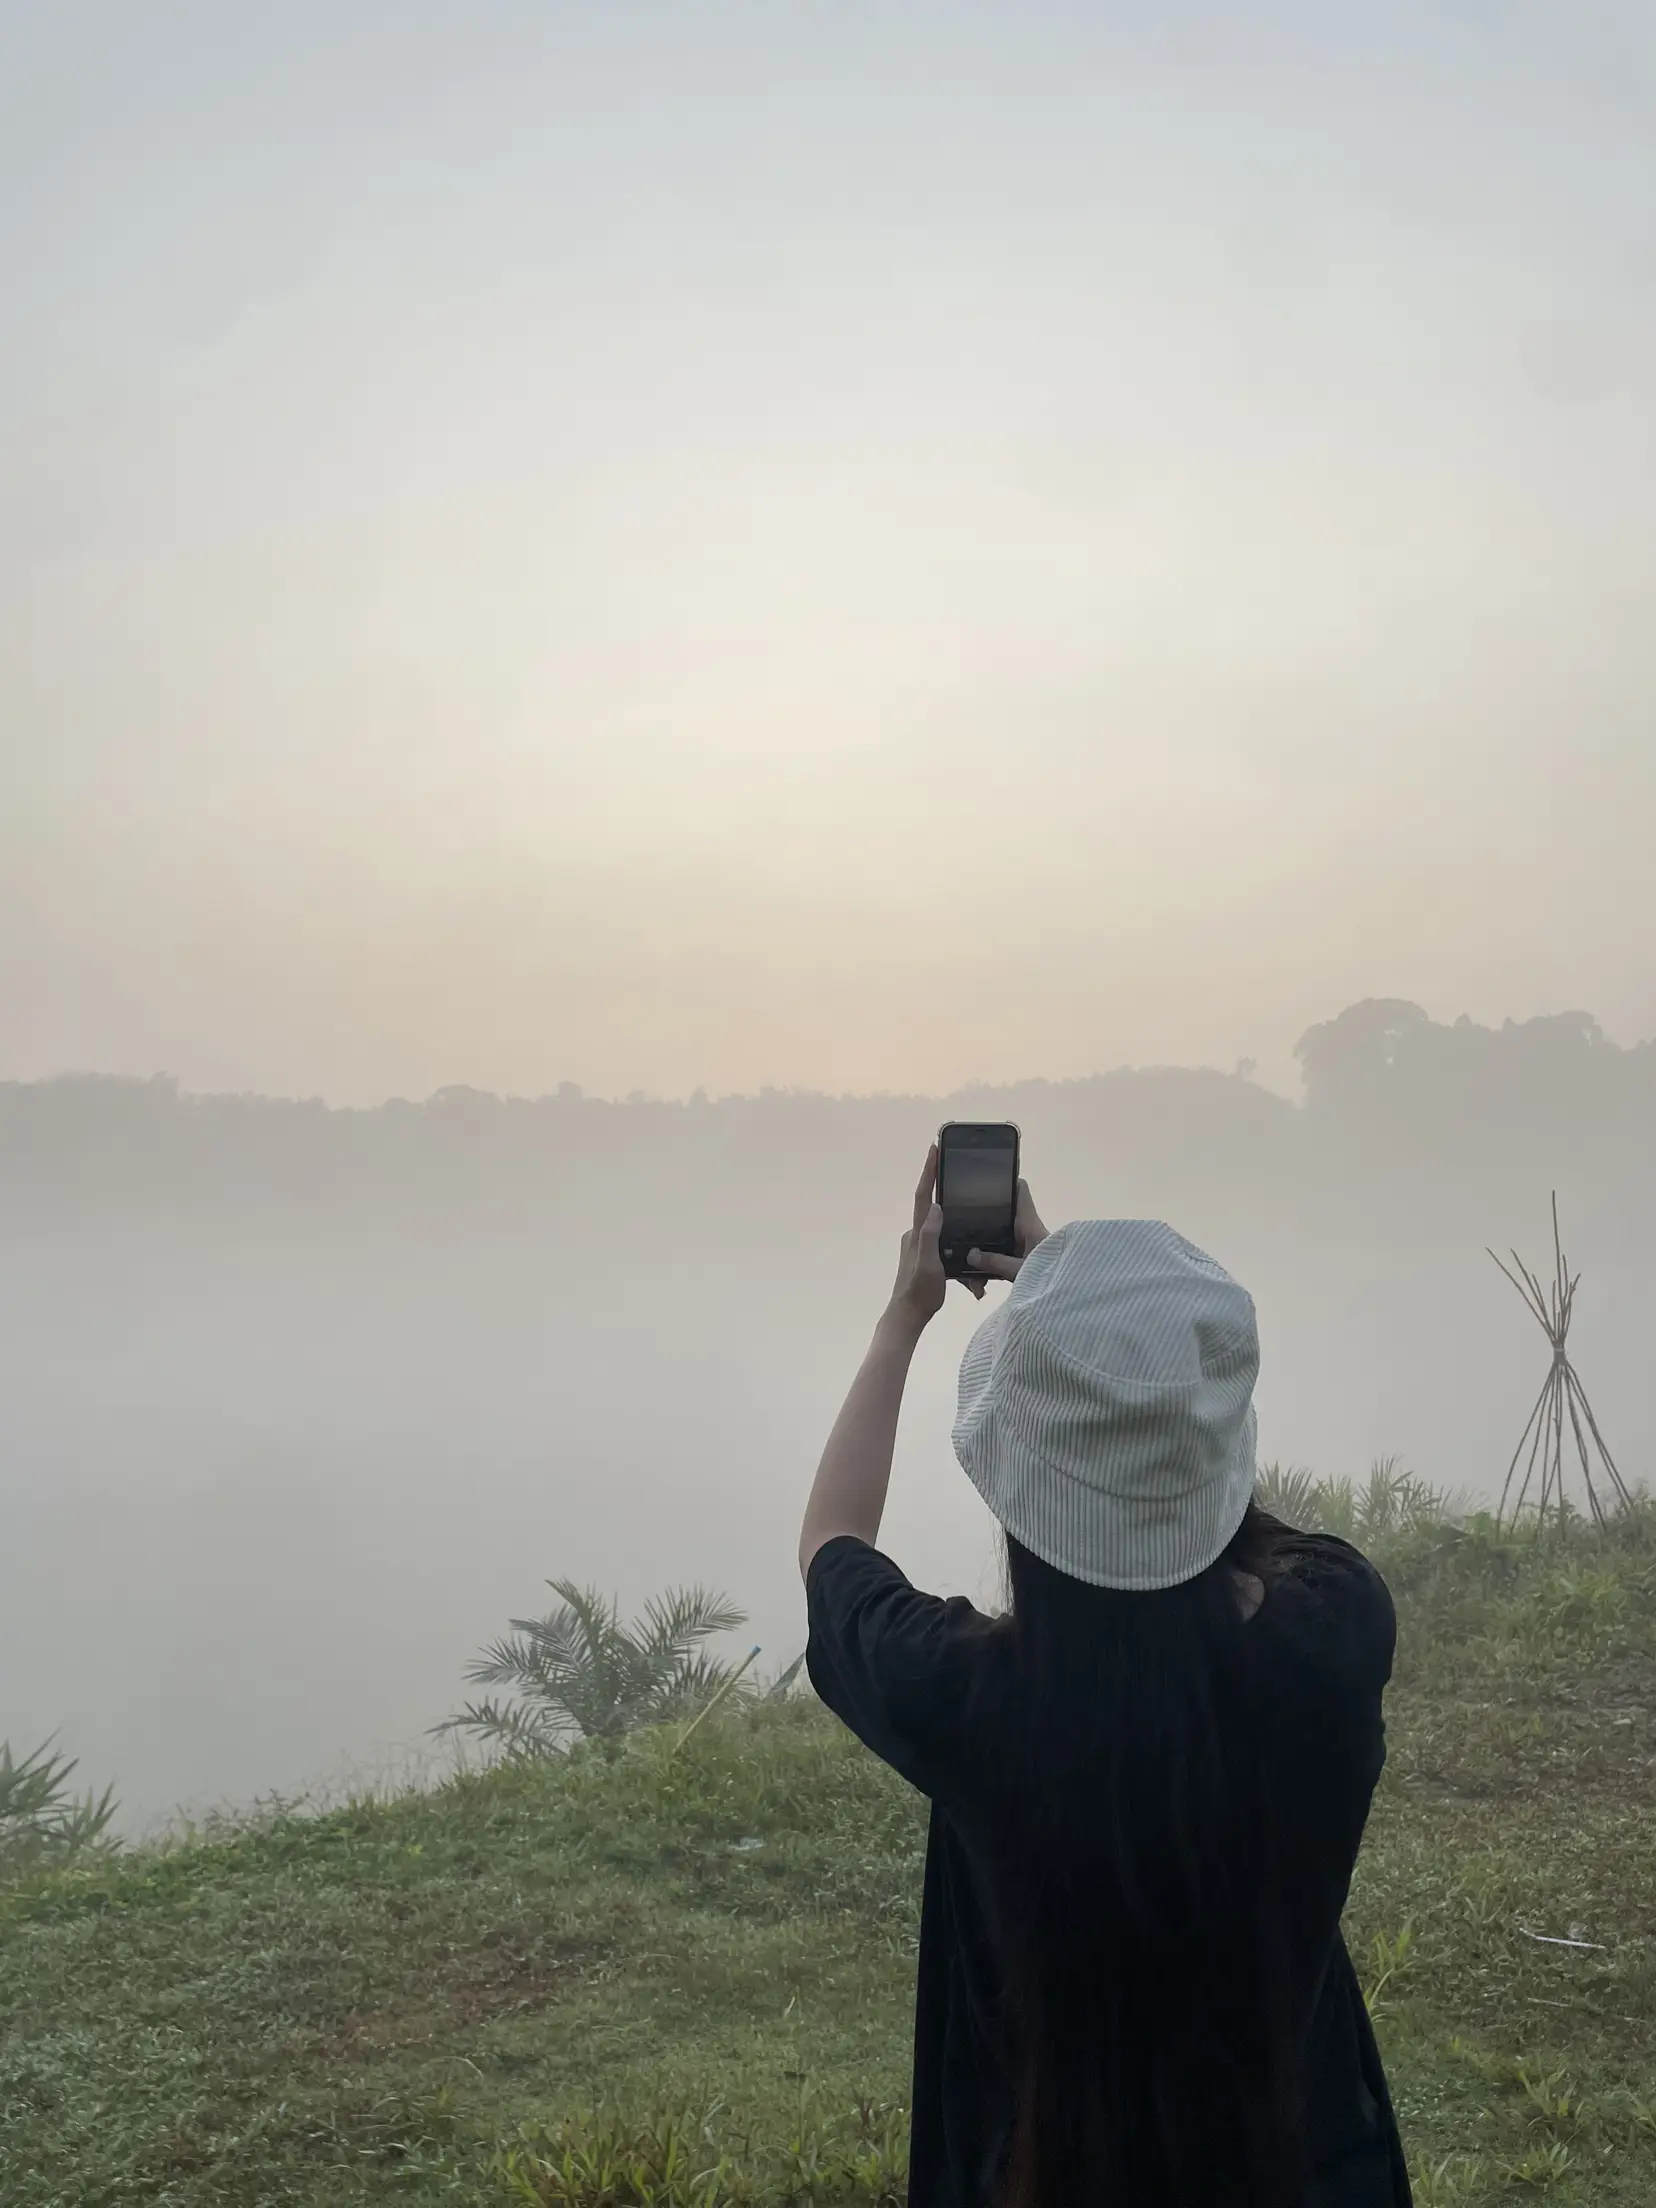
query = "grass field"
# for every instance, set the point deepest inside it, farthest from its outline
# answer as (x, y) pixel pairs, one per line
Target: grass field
(685, 1978)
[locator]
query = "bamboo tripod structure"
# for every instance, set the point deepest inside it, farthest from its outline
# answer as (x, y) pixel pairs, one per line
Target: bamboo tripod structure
(1562, 1397)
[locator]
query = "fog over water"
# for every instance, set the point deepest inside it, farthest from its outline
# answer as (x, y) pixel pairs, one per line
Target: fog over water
(297, 1406)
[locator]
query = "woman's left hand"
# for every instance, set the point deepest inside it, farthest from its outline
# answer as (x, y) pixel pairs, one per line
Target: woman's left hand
(917, 1295)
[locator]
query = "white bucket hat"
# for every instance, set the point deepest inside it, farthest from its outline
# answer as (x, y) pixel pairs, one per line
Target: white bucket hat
(1106, 1409)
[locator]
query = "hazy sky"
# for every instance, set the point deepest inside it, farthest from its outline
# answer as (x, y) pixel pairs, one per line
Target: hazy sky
(857, 545)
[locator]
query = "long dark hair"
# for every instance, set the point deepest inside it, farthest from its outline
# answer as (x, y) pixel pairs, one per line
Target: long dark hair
(1149, 2018)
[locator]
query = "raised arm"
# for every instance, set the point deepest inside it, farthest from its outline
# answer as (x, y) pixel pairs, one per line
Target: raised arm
(849, 1492)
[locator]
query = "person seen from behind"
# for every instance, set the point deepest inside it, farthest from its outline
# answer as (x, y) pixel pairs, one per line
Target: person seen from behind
(1149, 1778)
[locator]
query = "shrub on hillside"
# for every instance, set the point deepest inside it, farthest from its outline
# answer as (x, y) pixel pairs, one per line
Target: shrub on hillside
(41, 1821)
(1390, 1501)
(579, 1673)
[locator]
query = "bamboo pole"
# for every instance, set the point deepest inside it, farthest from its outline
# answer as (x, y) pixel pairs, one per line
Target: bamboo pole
(724, 1688)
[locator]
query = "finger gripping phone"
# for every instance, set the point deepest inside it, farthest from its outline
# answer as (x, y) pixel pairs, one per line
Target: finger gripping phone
(977, 1189)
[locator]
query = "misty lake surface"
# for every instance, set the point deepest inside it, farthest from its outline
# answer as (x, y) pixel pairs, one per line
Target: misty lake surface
(280, 1449)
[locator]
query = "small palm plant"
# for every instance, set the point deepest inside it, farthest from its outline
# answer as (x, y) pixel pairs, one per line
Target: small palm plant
(579, 1673)
(41, 1822)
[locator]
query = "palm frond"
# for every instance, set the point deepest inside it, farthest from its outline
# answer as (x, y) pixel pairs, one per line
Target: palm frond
(538, 1663)
(674, 1623)
(505, 1663)
(83, 1823)
(692, 1685)
(34, 1784)
(518, 1731)
(40, 1820)
(598, 1618)
(577, 1649)
(1395, 1501)
(560, 1636)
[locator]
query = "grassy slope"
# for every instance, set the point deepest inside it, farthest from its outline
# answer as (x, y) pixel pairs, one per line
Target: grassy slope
(366, 2005)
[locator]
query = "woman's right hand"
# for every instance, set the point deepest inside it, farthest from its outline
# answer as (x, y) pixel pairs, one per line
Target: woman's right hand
(1027, 1230)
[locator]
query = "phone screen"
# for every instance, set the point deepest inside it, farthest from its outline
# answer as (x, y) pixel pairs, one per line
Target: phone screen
(977, 1186)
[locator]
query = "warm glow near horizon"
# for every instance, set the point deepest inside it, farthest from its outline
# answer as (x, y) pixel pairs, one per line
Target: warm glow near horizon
(850, 548)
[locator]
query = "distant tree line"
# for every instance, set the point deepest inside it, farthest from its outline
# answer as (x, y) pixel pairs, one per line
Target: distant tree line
(1397, 1109)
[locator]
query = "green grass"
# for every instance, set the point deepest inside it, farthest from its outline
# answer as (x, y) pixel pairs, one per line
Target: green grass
(685, 1979)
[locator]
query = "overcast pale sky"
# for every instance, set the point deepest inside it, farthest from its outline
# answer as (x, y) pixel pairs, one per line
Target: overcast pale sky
(858, 545)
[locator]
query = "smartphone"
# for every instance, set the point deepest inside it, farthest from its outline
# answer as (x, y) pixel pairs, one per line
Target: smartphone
(977, 1186)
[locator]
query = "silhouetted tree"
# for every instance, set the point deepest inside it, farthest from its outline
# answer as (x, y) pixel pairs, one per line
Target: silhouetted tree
(1348, 1056)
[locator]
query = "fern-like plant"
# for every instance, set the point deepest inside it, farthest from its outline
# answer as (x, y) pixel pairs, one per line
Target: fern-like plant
(41, 1822)
(579, 1673)
(1390, 1501)
(1290, 1492)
